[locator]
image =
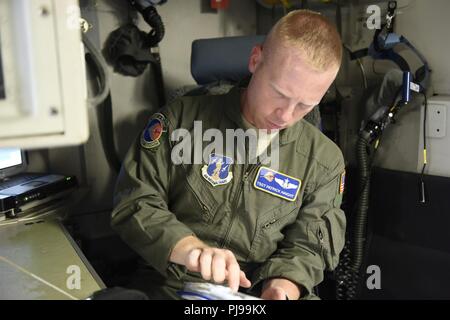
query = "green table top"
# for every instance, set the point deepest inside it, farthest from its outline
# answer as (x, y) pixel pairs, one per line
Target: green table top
(39, 260)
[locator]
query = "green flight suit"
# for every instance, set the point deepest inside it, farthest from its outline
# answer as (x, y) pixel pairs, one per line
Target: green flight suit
(157, 203)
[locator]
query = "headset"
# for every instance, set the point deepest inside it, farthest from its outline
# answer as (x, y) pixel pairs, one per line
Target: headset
(383, 45)
(128, 49)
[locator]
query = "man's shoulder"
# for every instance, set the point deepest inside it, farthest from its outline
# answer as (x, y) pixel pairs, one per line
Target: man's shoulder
(190, 104)
(186, 109)
(316, 146)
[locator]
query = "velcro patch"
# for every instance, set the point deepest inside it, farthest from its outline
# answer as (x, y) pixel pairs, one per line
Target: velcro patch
(217, 171)
(156, 126)
(277, 184)
(342, 183)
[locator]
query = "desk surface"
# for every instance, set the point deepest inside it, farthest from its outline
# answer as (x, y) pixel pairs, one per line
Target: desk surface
(35, 261)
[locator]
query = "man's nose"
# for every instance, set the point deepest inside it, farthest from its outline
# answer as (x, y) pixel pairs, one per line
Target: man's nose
(286, 113)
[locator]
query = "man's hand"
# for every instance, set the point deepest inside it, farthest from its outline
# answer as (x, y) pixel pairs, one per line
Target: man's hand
(280, 289)
(214, 264)
(217, 265)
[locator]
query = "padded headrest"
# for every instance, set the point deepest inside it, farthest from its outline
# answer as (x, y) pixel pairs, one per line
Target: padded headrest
(222, 58)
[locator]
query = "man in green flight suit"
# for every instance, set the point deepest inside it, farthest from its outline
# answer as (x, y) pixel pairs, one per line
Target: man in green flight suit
(271, 229)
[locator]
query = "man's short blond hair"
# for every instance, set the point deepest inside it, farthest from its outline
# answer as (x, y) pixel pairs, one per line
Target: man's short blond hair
(312, 34)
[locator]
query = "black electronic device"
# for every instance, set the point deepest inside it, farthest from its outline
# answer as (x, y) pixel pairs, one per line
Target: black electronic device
(20, 190)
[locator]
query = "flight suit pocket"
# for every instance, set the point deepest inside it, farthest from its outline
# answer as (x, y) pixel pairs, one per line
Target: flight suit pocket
(201, 196)
(335, 221)
(268, 231)
(327, 234)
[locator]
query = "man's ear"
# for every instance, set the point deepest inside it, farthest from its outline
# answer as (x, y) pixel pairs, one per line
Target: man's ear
(255, 58)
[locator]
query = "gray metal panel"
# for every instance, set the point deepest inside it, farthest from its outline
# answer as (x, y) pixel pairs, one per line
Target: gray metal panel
(438, 137)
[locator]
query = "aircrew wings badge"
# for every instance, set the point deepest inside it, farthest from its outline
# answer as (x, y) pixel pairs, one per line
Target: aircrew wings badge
(156, 126)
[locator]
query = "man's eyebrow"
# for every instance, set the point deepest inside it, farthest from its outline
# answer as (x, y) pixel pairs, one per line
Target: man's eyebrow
(277, 89)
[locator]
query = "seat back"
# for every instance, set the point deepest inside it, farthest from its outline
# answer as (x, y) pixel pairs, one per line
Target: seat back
(222, 59)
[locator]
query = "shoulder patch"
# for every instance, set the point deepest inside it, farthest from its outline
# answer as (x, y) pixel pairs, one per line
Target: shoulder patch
(153, 131)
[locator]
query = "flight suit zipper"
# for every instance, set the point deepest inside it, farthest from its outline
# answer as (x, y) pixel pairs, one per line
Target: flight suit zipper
(236, 201)
(233, 213)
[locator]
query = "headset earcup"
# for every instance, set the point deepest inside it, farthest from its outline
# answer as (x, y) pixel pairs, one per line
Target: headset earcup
(420, 74)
